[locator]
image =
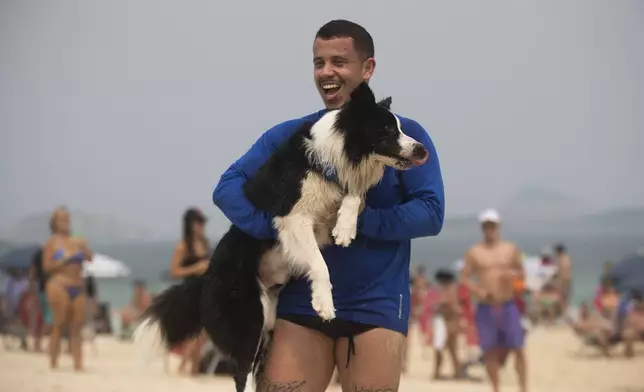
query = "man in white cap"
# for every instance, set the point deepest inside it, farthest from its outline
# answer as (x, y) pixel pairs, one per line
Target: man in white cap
(496, 264)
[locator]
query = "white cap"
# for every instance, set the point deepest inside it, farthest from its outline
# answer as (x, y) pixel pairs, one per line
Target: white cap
(546, 251)
(489, 215)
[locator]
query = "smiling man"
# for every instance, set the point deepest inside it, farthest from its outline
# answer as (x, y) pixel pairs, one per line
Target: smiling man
(370, 278)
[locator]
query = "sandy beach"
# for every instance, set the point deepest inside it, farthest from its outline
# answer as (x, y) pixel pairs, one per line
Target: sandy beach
(556, 363)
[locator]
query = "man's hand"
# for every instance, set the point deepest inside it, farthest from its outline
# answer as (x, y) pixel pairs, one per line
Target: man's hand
(482, 293)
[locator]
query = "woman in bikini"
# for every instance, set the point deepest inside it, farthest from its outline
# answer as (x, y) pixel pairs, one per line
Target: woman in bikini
(190, 259)
(63, 258)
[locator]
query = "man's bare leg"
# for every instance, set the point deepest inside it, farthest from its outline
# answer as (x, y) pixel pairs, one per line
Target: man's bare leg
(522, 369)
(452, 349)
(376, 364)
(438, 363)
(492, 360)
(299, 360)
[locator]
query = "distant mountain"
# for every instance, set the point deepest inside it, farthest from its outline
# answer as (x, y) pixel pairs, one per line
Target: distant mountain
(617, 220)
(628, 221)
(5, 245)
(97, 228)
(538, 204)
(543, 211)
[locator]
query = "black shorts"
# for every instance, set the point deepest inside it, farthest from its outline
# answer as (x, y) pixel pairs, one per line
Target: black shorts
(333, 329)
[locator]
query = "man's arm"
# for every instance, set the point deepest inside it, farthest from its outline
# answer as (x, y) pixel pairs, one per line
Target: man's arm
(466, 273)
(422, 215)
(229, 194)
(517, 264)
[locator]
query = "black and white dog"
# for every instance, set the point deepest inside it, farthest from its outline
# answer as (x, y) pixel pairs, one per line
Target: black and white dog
(313, 186)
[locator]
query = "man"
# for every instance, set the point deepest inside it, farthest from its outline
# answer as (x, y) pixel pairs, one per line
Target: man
(141, 300)
(446, 323)
(496, 264)
(371, 277)
(418, 288)
(40, 317)
(564, 276)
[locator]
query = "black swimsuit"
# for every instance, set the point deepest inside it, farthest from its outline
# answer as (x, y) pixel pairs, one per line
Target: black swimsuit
(334, 329)
(191, 260)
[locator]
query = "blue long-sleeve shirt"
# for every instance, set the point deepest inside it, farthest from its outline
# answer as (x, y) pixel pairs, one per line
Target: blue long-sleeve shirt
(371, 277)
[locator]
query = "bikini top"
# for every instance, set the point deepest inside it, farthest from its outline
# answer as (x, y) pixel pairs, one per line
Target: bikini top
(76, 258)
(190, 260)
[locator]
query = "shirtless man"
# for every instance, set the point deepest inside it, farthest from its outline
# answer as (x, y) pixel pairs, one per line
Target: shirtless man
(564, 275)
(446, 322)
(418, 288)
(496, 264)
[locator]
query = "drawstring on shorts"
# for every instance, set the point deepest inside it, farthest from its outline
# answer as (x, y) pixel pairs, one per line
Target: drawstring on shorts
(350, 350)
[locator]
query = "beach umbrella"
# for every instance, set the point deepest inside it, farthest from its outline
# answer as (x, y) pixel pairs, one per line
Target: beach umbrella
(103, 266)
(628, 273)
(19, 258)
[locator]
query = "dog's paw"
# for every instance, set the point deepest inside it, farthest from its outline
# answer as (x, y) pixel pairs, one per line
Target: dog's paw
(322, 302)
(344, 232)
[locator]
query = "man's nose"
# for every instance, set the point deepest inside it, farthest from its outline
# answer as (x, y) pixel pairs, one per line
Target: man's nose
(327, 70)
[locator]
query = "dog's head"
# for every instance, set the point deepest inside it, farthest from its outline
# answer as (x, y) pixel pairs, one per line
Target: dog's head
(371, 130)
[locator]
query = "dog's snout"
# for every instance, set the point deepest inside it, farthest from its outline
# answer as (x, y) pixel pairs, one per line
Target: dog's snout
(419, 152)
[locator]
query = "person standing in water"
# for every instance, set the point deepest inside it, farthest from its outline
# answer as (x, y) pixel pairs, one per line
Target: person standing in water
(564, 276)
(190, 260)
(496, 264)
(63, 257)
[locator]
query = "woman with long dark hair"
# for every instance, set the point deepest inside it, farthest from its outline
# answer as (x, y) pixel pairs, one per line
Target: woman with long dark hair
(63, 257)
(190, 260)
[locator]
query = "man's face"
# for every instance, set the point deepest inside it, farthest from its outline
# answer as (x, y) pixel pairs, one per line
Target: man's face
(139, 288)
(490, 231)
(338, 69)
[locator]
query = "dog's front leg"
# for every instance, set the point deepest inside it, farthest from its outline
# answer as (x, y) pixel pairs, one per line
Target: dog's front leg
(347, 225)
(300, 246)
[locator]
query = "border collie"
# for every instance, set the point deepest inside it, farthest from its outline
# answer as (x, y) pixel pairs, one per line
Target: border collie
(313, 186)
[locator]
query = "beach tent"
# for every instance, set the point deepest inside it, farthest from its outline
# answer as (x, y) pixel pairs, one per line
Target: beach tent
(103, 266)
(18, 258)
(628, 273)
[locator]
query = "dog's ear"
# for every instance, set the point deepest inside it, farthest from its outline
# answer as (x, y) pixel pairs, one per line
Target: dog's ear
(362, 95)
(385, 103)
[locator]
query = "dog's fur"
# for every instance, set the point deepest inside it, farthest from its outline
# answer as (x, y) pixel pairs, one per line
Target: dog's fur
(313, 186)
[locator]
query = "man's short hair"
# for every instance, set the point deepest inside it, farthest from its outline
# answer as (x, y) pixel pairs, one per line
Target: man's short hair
(341, 28)
(560, 248)
(444, 276)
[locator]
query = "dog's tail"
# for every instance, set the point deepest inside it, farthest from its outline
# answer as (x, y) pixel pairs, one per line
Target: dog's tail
(173, 317)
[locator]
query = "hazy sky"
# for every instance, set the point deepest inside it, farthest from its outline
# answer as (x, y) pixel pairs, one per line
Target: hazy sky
(135, 108)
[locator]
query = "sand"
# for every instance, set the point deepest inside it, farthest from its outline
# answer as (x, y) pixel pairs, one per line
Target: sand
(556, 364)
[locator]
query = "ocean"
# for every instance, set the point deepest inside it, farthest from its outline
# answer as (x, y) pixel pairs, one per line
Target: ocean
(589, 252)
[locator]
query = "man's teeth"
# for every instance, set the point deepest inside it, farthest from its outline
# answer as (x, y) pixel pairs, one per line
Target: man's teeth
(330, 86)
